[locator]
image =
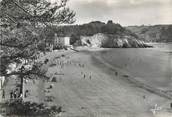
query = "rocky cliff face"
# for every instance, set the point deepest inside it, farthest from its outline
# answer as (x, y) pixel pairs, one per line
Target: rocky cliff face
(111, 41)
(157, 33)
(100, 34)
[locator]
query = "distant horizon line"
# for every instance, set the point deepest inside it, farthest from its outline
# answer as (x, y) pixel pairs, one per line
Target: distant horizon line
(120, 23)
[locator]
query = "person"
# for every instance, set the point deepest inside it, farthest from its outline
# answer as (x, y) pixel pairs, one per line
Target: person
(15, 94)
(33, 81)
(59, 110)
(26, 93)
(90, 77)
(116, 73)
(144, 97)
(11, 94)
(46, 61)
(3, 93)
(51, 86)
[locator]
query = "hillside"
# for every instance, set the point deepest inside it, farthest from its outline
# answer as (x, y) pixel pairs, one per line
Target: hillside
(100, 34)
(157, 33)
(92, 28)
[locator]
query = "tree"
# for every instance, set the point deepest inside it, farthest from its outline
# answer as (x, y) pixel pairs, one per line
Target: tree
(22, 24)
(112, 28)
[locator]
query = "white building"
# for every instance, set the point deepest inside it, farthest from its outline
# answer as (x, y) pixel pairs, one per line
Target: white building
(61, 41)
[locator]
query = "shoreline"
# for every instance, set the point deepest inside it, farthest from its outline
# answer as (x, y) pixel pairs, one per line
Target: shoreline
(150, 66)
(138, 81)
(102, 94)
(135, 81)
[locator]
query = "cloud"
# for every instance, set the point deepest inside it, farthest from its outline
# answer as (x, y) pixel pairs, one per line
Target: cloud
(126, 12)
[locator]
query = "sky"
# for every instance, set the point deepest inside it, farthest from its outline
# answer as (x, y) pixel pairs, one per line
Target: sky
(125, 12)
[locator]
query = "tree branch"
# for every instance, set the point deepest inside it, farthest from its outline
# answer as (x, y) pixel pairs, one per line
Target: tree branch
(16, 46)
(9, 45)
(21, 7)
(9, 17)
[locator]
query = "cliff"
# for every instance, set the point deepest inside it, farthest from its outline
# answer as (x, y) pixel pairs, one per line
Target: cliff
(100, 34)
(157, 33)
(111, 41)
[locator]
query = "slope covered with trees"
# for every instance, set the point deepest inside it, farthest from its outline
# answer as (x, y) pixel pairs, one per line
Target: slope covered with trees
(157, 33)
(92, 28)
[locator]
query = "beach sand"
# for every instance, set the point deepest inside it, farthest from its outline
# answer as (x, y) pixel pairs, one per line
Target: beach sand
(91, 86)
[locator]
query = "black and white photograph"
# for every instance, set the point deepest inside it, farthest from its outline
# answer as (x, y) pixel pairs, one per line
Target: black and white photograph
(85, 58)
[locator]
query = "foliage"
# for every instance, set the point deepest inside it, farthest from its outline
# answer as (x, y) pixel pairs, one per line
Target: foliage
(24, 32)
(20, 108)
(75, 31)
(36, 11)
(156, 33)
(24, 25)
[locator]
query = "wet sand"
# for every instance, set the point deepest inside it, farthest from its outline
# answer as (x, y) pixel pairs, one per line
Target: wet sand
(152, 66)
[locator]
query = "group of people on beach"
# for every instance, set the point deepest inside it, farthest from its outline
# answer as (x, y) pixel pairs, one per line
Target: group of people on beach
(84, 76)
(63, 61)
(14, 94)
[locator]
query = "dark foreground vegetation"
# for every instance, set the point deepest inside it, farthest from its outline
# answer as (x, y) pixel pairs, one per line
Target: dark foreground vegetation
(20, 108)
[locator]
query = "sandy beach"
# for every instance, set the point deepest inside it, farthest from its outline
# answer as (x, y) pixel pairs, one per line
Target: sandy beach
(88, 84)
(88, 87)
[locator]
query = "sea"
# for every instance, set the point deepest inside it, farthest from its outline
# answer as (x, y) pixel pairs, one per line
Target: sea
(152, 66)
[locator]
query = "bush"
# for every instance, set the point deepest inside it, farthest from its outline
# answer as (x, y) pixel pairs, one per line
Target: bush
(21, 108)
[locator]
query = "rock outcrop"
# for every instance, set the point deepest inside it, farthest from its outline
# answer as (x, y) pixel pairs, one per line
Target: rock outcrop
(111, 41)
(100, 34)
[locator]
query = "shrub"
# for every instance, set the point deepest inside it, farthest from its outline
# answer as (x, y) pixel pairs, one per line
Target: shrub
(21, 108)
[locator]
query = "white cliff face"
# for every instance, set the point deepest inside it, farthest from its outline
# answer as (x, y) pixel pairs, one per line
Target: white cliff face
(96, 40)
(110, 41)
(118, 42)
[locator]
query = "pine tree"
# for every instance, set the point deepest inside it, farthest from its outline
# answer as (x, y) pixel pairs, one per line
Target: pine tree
(22, 25)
